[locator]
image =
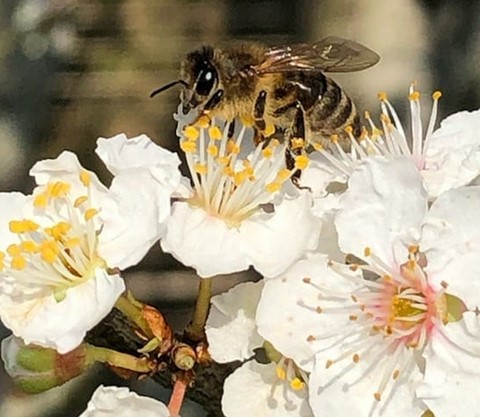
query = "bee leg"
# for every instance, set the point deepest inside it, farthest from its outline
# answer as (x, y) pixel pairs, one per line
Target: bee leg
(296, 144)
(231, 129)
(262, 130)
(204, 117)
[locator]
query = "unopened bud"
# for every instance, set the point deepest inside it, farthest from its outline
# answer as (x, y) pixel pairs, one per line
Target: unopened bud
(35, 369)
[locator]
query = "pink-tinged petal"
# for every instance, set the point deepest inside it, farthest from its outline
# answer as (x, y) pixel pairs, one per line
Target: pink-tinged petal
(452, 370)
(203, 242)
(38, 318)
(336, 392)
(121, 402)
(451, 242)
(287, 315)
(231, 328)
(273, 243)
(249, 391)
(382, 209)
(453, 153)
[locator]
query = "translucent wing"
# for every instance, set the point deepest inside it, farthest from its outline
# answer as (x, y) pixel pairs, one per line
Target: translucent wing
(332, 54)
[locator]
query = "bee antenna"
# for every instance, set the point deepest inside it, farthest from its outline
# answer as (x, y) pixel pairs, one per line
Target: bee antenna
(166, 87)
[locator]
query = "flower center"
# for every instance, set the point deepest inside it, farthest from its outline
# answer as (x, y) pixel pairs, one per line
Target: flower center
(61, 254)
(230, 186)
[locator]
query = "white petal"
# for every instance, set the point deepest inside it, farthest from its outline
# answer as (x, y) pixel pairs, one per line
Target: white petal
(453, 153)
(318, 175)
(450, 386)
(274, 243)
(382, 209)
(451, 242)
(120, 153)
(11, 208)
(203, 242)
(286, 314)
(135, 219)
(61, 325)
(231, 329)
(121, 402)
(66, 168)
(248, 392)
(335, 393)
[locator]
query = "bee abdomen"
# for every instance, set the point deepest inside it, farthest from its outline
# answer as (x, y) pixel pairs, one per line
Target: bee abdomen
(333, 113)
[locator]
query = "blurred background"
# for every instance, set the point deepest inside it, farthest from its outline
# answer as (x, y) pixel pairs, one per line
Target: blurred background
(74, 70)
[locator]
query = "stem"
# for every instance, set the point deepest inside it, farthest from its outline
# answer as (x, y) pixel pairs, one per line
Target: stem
(176, 399)
(202, 306)
(134, 311)
(118, 359)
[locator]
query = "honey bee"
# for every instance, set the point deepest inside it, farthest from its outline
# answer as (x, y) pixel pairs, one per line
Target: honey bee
(278, 89)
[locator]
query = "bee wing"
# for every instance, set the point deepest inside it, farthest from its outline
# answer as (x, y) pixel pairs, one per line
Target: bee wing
(331, 54)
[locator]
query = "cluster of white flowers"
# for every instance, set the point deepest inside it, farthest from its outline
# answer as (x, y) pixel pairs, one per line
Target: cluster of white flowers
(368, 302)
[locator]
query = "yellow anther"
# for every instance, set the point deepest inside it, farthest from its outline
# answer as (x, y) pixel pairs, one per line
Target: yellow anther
(223, 160)
(18, 262)
(40, 200)
(30, 225)
(72, 242)
(203, 122)
(191, 133)
(249, 171)
(356, 358)
(267, 153)
(17, 226)
(396, 374)
(349, 130)
(297, 384)
(273, 187)
(90, 214)
(318, 147)
(367, 251)
(363, 133)
(269, 130)
(228, 171)
(59, 189)
(80, 200)
(14, 250)
(301, 161)
(29, 246)
(382, 96)
(367, 115)
(85, 177)
(376, 132)
(215, 133)
(201, 168)
(59, 230)
(188, 146)
(436, 95)
(413, 249)
(239, 177)
(281, 374)
(232, 147)
(385, 118)
(247, 120)
(212, 150)
(334, 138)
(283, 175)
(2, 256)
(297, 143)
(415, 95)
(377, 396)
(49, 252)
(329, 363)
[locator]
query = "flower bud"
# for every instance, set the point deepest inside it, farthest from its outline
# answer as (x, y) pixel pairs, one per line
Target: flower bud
(35, 369)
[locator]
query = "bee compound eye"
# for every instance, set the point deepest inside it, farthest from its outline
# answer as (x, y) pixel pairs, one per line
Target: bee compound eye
(206, 81)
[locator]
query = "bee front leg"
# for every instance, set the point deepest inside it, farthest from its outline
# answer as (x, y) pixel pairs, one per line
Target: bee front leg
(204, 119)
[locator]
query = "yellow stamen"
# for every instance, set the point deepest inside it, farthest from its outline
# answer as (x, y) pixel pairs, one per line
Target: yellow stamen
(79, 201)
(297, 143)
(334, 138)
(382, 96)
(436, 95)
(18, 262)
(415, 95)
(239, 177)
(191, 133)
(367, 251)
(267, 153)
(273, 187)
(90, 214)
(188, 146)
(29, 246)
(85, 178)
(14, 250)
(281, 374)
(349, 130)
(301, 161)
(212, 150)
(40, 200)
(203, 121)
(223, 160)
(269, 130)
(201, 168)
(17, 226)
(247, 120)
(297, 384)
(283, 175)
(215, 133)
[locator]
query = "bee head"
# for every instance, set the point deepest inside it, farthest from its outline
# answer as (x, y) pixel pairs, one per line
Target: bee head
(200, 77)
